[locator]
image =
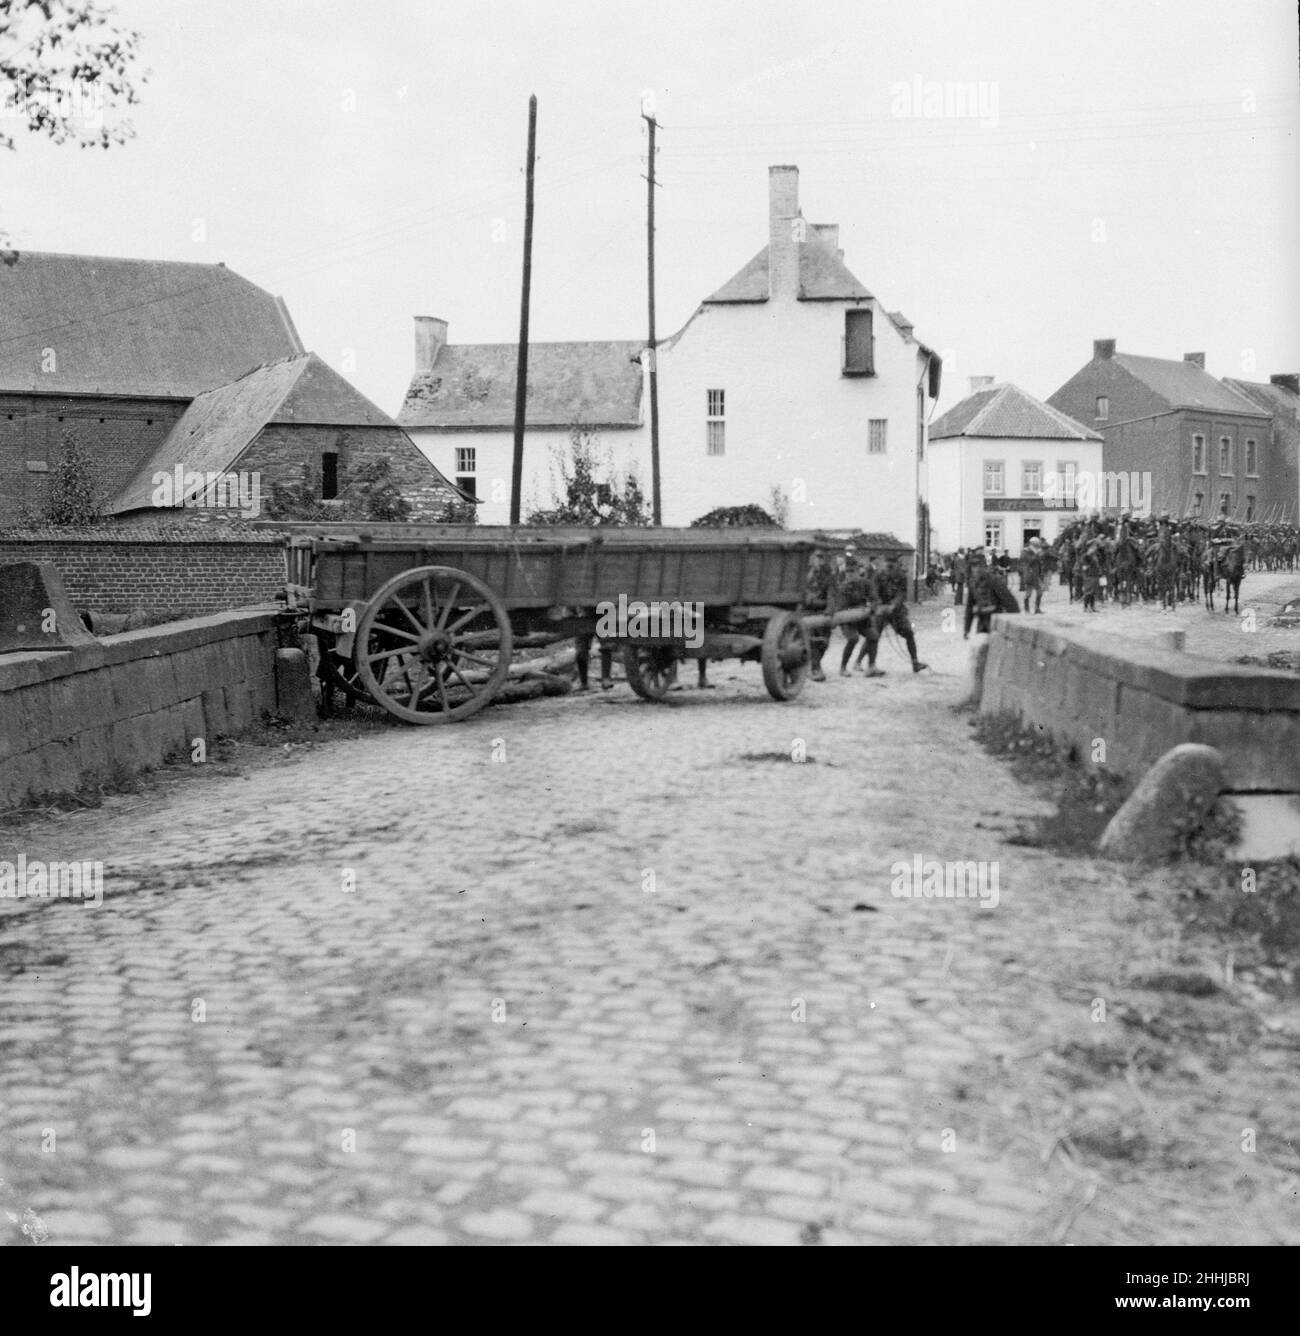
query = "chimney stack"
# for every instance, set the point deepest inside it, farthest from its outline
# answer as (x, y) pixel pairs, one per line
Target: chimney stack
(783, 232)
(1287, 380)
(430, 339)
(1196, 359)
(830, 234)
(978, 383)
(1103, 348)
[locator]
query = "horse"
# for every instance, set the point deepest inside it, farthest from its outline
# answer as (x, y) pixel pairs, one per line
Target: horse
(1232, 566)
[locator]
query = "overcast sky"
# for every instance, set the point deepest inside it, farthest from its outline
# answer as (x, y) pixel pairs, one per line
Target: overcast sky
(1135, 171)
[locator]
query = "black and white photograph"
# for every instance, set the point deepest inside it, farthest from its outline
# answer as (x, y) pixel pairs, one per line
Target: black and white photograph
(627, 625)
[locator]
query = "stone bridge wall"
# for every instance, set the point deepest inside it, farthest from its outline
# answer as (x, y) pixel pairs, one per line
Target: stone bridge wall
(74, 718)
(1083, 687)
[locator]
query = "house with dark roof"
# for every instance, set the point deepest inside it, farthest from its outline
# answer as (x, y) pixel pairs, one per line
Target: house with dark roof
(1281, 462)
(1202, 442)
(790, 377)
(1005, 467)
(460, 410)
(158, 366)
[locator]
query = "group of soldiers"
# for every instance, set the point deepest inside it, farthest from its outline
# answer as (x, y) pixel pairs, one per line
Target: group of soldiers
(1159, 558)
(858, 580)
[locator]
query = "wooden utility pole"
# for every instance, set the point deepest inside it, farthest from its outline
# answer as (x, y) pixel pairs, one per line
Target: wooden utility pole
(656, 504)
(521, 379)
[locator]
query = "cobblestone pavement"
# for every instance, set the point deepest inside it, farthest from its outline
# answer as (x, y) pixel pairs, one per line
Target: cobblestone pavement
(584, 970)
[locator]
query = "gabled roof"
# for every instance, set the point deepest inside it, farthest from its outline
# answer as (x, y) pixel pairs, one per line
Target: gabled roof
(1184, 384)
(1274, 399)
(473, 385)
(823, 276)
(219, 425)
(1007, 411)
(85, 324)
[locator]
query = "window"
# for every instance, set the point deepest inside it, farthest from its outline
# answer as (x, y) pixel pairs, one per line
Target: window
(329, 475)
(1198, 453)
(1031, 478)
(1250, 509)
(716, 439)
(467, 482)
(1225, 502)
(1198, 500)
(1069, 479)
(992, 477)
(1225, 456)
(876, 437)
(1252, 459)
(1103, 407)
(993, 533)
(859, 343)
(466, 459)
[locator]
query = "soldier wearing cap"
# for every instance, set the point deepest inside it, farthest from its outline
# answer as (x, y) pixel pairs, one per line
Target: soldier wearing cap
(981, 600)
(891, 590)
(1031, 573)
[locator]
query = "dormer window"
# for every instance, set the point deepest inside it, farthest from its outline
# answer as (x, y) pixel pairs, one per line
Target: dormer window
(859, 357)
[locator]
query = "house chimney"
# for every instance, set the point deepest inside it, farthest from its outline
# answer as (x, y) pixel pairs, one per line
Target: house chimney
(1196, 359)
(1103, 348)
(783, 229)
(830, 234)
(978, 383)
(430, 339)
(1287, 380)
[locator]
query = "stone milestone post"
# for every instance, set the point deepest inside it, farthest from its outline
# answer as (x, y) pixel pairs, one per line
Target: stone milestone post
(35, 611)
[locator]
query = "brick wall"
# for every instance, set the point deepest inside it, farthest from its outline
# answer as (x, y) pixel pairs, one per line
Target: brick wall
(119, 434)
(288, 454)
(74, 718)
(160, 570)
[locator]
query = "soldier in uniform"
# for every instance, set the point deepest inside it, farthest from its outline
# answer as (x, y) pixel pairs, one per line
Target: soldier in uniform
(820, 597)
(891, 591)
(981, 601)
(859, 590)
(1031, 573)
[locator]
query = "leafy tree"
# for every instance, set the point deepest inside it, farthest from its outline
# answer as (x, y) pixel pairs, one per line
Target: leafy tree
(63, 65)
(75, 496)
(736, 517)
(579, 496)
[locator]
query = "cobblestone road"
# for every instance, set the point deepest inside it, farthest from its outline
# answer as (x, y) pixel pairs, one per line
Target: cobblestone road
(583, 970)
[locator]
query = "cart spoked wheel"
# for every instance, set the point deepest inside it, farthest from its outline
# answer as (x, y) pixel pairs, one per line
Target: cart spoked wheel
(786, 656)
(433, 645)
(650, 669)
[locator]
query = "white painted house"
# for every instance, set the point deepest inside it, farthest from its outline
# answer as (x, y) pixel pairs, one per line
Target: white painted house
(1005, 467)
(791, 376)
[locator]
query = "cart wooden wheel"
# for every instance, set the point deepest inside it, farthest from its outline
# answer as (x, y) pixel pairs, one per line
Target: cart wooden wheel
(650, 669)
(433, 645)
(785, 656)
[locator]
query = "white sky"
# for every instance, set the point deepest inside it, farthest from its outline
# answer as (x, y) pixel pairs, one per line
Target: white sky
(364, 159)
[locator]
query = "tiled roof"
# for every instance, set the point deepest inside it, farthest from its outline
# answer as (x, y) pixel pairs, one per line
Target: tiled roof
(823, 276)
(84, 324)
(1184, 384)
(1007, 411)
(473, 385)
(1272, 398)
(220, 424)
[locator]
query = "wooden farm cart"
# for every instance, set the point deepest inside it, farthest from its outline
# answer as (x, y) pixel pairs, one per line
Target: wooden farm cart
(424, 620)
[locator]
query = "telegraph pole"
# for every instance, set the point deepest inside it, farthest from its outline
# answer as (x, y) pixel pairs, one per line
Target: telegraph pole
(521, 379)
(647, 114)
